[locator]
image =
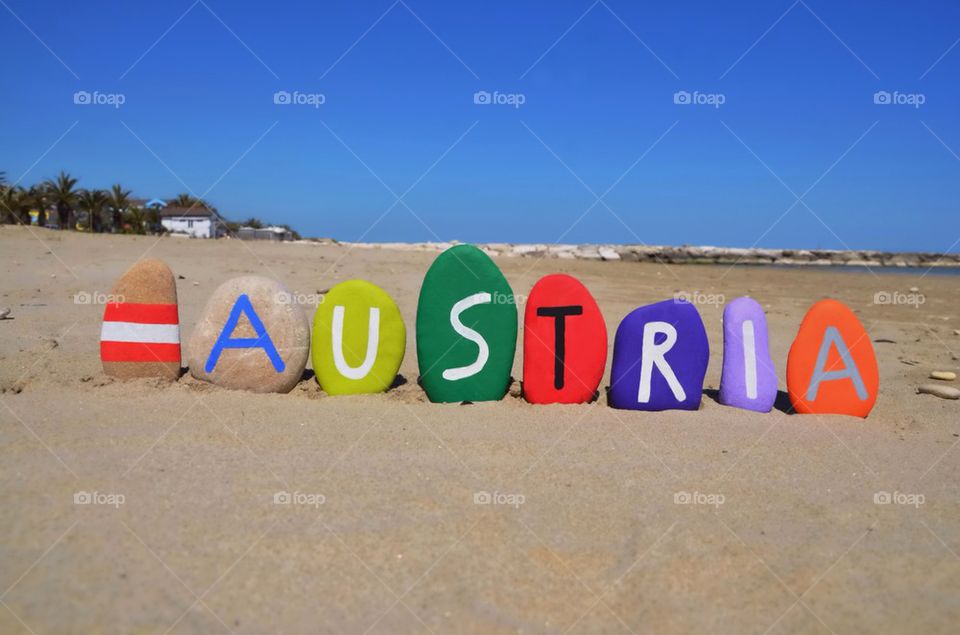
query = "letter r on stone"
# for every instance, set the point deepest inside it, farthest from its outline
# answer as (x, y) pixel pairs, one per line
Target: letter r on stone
(655, 355)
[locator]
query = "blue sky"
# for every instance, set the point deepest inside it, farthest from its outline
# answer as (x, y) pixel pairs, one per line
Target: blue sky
(598, 82)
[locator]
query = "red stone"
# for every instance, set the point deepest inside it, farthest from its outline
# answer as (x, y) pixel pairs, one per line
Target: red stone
(832, 352)
(559, 305)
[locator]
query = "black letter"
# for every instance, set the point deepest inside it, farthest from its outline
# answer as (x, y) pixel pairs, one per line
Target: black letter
(559, 315)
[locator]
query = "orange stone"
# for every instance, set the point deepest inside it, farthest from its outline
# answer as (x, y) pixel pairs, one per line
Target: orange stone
(832, 368)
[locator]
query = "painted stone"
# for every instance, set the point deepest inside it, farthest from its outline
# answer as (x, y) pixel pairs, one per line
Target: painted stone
(564, 342)
(250, 336)
(660, 356)
(466, 328)
(358, 339)
(140, 336)
(748, 379)
(831, 368)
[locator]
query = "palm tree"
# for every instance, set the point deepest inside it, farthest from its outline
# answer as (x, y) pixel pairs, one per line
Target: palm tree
(64, 197)
(118, 203)
(11, 198)
(38, 198)
(92, 202)
(137, 219)
(188, 201)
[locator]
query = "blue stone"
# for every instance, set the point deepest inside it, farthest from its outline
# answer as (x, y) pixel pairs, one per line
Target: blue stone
(660, 357)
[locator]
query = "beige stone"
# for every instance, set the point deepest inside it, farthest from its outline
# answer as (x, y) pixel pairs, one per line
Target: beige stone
(944, 392)
(251, 368)
(147, 283)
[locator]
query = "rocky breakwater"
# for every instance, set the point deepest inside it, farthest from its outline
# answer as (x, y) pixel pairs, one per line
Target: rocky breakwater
(688, 254)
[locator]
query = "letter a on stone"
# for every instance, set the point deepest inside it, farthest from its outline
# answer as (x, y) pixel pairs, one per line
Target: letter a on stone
(262, 340)
(358, 339)
(849, 370)
(248, 338)
(832, 368)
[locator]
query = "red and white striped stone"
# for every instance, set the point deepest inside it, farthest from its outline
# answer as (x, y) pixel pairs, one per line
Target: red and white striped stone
(140, 336)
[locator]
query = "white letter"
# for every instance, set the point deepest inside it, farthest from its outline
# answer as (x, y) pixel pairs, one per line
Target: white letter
(453, 374)
(653, 355)
(750, 359)
(373, 340)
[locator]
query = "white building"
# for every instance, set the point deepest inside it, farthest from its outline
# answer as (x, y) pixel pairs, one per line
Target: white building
(194, 222)
(264, 233)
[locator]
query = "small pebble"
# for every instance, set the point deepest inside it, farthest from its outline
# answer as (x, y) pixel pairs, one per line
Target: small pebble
(4, 312)
(944, 375)
(956, 331)
(914, 289)
(196, 284)
(944, 392)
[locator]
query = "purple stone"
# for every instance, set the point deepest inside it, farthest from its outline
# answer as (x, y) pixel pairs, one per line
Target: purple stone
(749, 379)
(660, 356)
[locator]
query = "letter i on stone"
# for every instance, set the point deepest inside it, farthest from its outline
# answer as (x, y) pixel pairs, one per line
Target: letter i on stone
(466, 328)
(358, 339)
(660, 356)
(748, 380)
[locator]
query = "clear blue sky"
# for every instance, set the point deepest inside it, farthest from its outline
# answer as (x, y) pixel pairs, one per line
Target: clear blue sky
(598, 83)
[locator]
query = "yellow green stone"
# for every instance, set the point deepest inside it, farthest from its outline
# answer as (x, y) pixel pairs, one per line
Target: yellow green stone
(358, 339)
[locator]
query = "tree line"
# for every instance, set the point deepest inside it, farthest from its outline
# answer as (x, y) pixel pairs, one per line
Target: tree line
(95, 210)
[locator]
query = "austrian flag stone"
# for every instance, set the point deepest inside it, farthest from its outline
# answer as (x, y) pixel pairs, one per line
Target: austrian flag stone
(140, 333)
(140, 336)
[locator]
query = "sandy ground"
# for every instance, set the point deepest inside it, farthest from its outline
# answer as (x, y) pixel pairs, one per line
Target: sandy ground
(785, 536)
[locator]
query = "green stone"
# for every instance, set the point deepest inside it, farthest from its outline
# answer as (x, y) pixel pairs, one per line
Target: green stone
(466, 328)
(358, 339)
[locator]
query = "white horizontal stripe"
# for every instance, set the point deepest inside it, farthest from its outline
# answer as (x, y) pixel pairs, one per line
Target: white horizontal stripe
(135, 332)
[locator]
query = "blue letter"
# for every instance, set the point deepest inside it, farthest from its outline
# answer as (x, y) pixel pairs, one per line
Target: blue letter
(242, 305)
(850, 370)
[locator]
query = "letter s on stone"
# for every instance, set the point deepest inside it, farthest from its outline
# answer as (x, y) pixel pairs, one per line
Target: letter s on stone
(462, 372)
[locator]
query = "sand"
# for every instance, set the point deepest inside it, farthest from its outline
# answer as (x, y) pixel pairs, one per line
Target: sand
(384, 535)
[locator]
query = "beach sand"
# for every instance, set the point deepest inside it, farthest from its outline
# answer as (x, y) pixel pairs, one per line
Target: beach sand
(785, 536)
